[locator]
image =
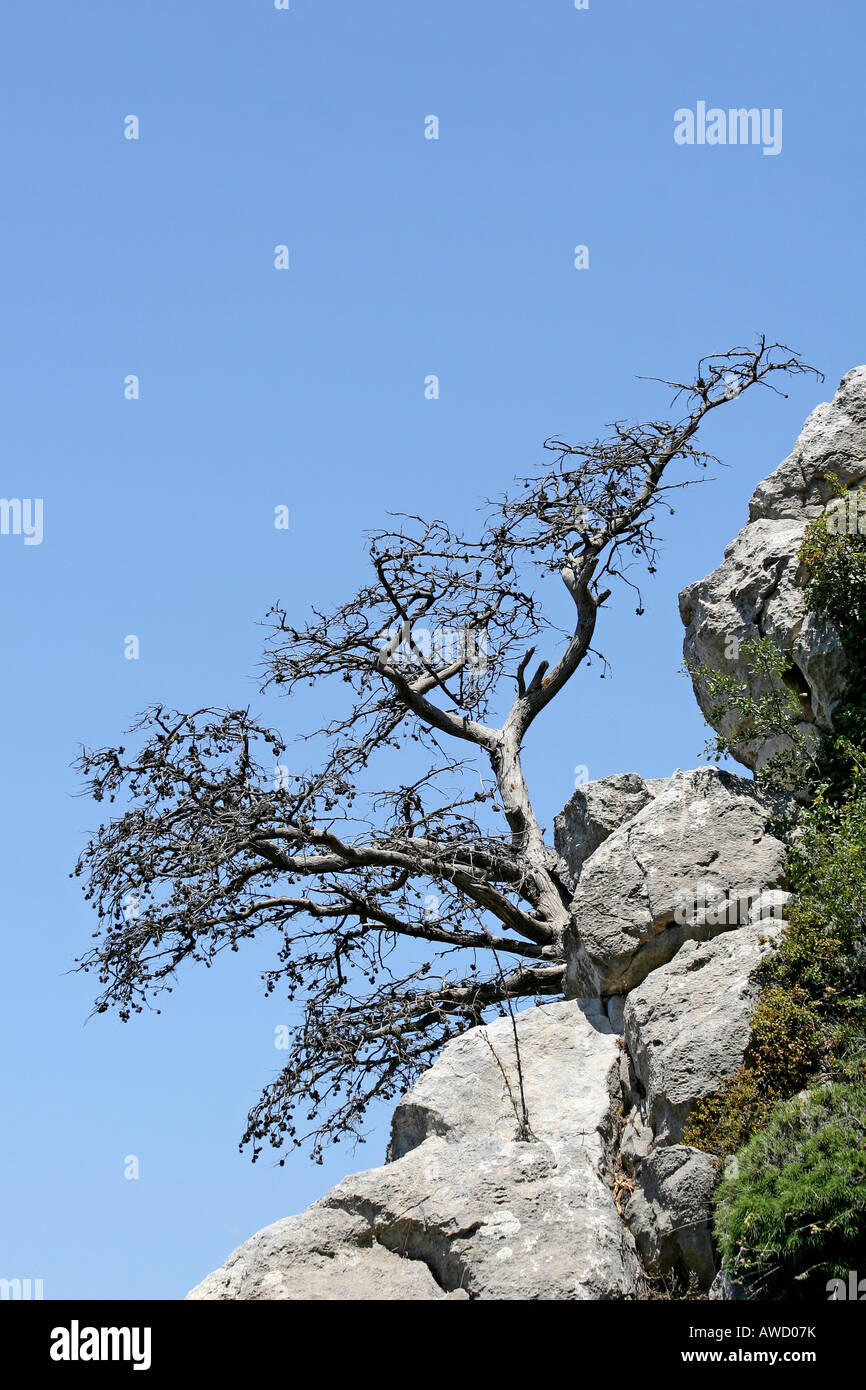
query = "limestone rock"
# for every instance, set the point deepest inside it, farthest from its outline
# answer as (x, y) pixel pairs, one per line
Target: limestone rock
(723, 1287)
(687, 1026)
(687, 866)
(770, 906)
(670, 1211)
(636, 1141)
(328, 1252)
(757, 591)
(833, 440)
(615, 1008)
(594, 812)
(464, 1208)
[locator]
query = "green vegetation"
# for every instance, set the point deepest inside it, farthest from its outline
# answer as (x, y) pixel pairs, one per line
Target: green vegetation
(833, 555)
(774, 713)
(791, 1123)
(791, 1212)
(784, 1052)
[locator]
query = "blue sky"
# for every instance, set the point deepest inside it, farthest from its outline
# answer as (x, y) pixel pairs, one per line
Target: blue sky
(305, 387)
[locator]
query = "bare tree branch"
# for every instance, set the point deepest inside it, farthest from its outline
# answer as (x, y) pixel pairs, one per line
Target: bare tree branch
(215, 840)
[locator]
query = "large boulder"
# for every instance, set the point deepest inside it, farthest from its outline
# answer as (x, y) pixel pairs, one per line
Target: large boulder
(687, 1029)
(465, 1208)
(688, 866)
(327, 1252)
(594, 812)
(757, 591)
(688, 1026)
(833, 440)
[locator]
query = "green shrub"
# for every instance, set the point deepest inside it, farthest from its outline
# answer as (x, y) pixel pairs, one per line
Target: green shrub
(833, 556)
(777, 713)
(824, 949)
(791, 1212)
(785, 1048)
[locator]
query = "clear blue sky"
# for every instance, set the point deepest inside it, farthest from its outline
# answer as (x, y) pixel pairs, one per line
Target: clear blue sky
(306, 387)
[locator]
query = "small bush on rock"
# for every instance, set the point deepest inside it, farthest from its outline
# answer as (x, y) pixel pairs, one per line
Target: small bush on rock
(791, 1212)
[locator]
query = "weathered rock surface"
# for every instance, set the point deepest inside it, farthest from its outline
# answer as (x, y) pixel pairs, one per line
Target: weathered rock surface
(327, 1252)
(464, 1209)
(687, 1028)
(687, 1025)
(833, 440)
(687, 866)
(770, 906)
(758, 588)
(723, 1287)
(594, 812)
(670, 1211)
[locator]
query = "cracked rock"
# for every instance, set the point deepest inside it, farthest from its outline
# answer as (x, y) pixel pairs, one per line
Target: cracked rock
(594, 812)
(687, 1027)
(688, 866)
(758, 588)
(670, 1212)
(463, 1208)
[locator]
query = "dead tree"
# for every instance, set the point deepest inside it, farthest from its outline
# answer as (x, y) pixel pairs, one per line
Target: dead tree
(211, 846)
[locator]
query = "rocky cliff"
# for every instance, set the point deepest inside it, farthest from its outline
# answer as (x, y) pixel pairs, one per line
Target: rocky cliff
(679, 891)
(757, 589)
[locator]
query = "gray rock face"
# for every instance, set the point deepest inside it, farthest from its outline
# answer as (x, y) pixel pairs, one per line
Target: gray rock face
(636, 1139)
(669, 1213)
(687, 1026)
(770, 907)
(464, 1209)
(833, 440)
(594, 812)
(328, 1252)
(757, 589)
(723, 1287)
(687, 866)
